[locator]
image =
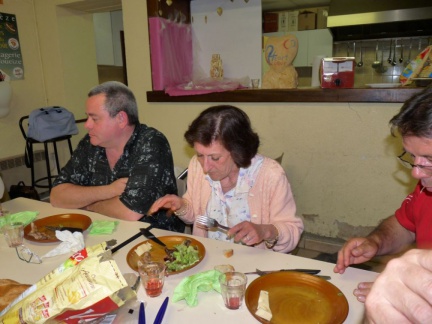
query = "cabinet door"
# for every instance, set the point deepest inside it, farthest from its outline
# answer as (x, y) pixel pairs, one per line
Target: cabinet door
(303, 47)
(320, 42)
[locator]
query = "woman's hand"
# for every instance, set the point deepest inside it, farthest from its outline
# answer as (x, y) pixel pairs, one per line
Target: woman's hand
(170, 202)
(251, 234)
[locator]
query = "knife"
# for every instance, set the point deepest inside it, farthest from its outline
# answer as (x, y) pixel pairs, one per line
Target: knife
(146, 232)
(118, 247)
(261, 273)
(161, 312)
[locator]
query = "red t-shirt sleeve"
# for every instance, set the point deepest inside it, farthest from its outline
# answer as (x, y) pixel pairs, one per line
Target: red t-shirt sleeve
(405, 214)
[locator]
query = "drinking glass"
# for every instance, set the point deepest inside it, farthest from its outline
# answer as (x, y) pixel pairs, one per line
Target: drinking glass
(233, 287)
(152, 276)
(14, 233)
(255, 83)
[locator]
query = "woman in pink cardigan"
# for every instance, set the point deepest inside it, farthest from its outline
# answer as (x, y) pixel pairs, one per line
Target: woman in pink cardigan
(230, 182)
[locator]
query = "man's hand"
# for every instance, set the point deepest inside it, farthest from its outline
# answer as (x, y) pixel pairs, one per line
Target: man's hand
(402, 293)
(362, 291)
(118, 186)
(355, 251)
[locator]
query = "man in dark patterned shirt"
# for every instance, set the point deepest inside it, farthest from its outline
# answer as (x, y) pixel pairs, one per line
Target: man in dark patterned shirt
(121, 166)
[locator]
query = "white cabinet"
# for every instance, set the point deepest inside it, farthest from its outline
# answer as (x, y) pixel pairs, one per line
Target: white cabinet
(311, 43)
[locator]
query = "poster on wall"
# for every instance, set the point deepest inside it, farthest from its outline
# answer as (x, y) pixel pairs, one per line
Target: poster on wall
(11, 63)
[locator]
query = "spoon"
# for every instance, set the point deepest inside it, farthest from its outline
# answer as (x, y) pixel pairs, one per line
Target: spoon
(401, 59)
(390, 51)
(354, 51)
(394, 54)
(377, 62)
(360, 64)
(381, 68)
(409, 53)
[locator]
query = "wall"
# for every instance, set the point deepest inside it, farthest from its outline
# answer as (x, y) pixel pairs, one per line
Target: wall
(339, 157)
(60, 67)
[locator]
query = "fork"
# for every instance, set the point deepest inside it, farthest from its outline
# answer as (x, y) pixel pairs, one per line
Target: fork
(209, 223)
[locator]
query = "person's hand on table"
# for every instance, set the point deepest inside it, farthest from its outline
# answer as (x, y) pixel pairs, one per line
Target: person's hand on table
(170, 202)
(402, 292)
(362, 291)
(355, 251)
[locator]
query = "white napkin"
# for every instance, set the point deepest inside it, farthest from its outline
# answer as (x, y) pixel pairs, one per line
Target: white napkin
(71, 242)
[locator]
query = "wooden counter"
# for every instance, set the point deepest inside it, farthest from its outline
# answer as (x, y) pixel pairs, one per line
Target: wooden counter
(294, 95)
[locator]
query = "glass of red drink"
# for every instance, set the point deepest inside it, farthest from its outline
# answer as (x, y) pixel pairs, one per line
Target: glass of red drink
(233, 287)
(14, 234)
(152, 277)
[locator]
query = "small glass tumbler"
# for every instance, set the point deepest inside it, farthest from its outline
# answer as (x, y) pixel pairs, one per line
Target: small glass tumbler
(152, 277)
(255, 83)
(14, 233)
(233, 287)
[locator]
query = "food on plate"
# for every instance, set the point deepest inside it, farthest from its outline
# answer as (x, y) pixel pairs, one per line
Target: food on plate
(263, 309)
(41, 234)
(146, 247)
(228, 253)
(181, 256)
(224, 268)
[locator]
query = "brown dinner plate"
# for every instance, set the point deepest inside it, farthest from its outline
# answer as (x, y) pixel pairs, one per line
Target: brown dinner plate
(298, 298)
(61, 220)
(158, 253)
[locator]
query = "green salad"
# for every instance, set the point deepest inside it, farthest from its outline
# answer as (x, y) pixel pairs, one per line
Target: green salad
(182, 256)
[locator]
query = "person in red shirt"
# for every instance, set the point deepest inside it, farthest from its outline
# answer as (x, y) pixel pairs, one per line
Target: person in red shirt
(412, 222)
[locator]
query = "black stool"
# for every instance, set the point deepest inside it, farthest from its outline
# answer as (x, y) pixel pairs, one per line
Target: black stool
(29, 155)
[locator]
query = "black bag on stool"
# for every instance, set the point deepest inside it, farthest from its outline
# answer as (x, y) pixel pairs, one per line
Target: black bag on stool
(21, 190)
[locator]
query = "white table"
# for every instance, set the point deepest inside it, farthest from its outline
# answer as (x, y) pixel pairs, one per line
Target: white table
(210, 305)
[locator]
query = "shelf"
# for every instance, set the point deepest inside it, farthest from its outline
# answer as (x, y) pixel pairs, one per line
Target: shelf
(294, 95)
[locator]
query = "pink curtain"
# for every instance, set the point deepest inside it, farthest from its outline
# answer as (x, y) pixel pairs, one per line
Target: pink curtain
(171, 52)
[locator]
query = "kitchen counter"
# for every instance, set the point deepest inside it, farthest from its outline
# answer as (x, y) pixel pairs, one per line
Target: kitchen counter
(295, 95)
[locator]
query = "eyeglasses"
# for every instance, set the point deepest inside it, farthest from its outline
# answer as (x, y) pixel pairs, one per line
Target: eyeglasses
(426, 169)
(25, 254)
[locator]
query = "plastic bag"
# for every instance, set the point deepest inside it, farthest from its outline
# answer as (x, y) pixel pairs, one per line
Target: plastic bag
(85, 287)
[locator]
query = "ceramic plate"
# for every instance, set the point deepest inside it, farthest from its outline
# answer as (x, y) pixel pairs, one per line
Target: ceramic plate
(62, 220)
(158, 252)
(383, 85)
(299, 297)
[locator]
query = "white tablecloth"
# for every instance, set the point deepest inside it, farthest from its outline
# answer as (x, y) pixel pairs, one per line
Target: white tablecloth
(210, 307)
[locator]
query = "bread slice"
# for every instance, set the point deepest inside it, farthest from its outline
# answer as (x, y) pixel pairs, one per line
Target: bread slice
(224, 268)
(9, 290)
(228, 253)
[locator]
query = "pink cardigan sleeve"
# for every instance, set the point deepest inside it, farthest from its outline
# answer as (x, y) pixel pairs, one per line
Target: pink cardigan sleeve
(197, 194)
(276, 205)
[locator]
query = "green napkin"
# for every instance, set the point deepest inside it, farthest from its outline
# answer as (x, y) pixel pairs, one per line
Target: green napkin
(25, 217)
(100, 227)
(189, 287)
